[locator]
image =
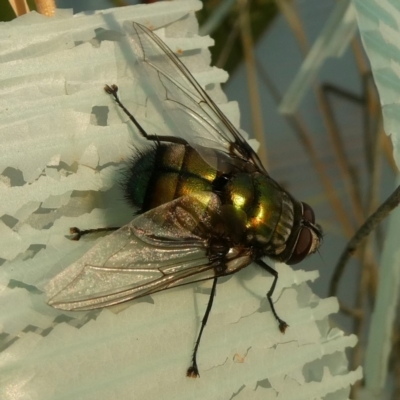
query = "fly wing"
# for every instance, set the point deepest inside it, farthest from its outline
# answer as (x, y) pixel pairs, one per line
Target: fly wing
(186, 108)
(122, 267)
(156, 251)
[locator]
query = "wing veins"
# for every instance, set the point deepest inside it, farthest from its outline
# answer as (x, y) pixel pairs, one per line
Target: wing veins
(242, 147)
(152, 287)
(191, 97)
(137, 270)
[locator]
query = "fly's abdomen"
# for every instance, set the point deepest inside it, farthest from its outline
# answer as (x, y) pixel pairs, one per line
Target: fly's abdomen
(165, 173)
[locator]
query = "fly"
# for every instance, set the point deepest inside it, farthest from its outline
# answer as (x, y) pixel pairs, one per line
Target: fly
(205, 205)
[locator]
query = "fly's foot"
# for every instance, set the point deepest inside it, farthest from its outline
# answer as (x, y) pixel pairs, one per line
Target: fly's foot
(193, 371)
(113, 89)
(76, 232)
(282, 325)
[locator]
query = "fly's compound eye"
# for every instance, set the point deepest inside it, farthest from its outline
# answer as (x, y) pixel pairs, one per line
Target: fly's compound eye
(308, 240)
(303, 246)
(308, 213)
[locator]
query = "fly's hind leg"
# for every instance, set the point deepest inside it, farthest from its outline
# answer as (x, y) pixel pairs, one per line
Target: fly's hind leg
(113, 91)
(78, 233)
(282, 324)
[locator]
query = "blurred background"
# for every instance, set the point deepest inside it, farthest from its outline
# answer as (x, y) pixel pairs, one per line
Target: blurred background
(330, 151)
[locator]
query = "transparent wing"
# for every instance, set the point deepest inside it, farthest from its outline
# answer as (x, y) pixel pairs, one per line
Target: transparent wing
(122, 267)
(156, 251)
(186, 107)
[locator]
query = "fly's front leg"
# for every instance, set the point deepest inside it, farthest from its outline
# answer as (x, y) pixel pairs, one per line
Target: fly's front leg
(217, 252)
(282, 324)
(193, 370)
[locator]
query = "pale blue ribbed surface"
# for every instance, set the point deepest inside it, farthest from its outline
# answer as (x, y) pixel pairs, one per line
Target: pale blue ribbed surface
(379, 23)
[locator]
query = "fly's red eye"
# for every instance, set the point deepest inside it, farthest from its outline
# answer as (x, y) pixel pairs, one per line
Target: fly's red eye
(308, 213)
(303, 246)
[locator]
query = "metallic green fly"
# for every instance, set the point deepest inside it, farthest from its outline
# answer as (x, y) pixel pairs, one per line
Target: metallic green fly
(205, 205)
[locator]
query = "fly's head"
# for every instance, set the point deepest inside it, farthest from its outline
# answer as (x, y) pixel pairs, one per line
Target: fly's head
(306, 236)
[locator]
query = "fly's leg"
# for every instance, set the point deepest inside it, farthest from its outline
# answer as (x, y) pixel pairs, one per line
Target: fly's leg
(217, 251)
(113, 91)
(78, 233)
(282, 324)
(193, 371)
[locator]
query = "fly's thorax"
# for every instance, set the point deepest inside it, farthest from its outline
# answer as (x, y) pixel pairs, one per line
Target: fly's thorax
(268, 208)
(165, 172)
(279, 226)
